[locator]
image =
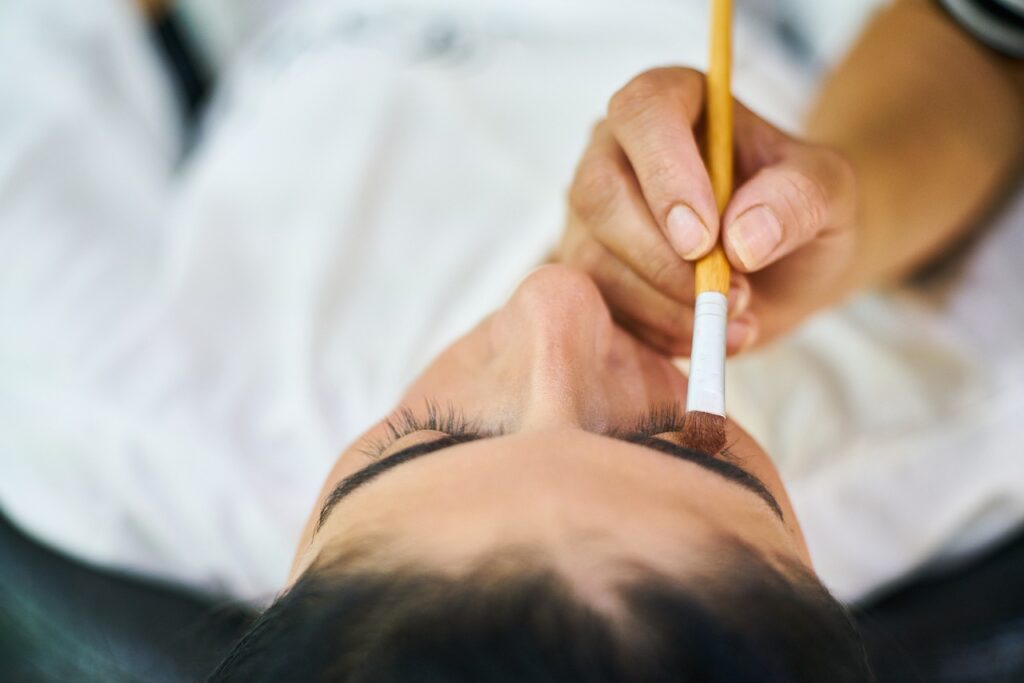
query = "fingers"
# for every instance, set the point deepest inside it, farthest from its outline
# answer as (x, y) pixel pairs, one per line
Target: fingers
(741, 333)
(787, 205)
(642, 206)
(612, 236)
(633, 301)
(652, 119)
(606, 199)
(739, 294)
(662, 322)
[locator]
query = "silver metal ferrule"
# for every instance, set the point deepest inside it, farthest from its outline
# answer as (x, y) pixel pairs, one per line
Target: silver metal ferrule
(706, 391)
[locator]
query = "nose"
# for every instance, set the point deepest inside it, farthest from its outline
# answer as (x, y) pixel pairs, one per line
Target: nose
(558, 333)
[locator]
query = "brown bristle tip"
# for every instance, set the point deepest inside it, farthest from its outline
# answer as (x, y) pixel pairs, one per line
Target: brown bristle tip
(703, 432)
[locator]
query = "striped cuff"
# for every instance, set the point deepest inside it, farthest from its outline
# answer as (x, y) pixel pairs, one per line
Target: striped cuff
(997, 23)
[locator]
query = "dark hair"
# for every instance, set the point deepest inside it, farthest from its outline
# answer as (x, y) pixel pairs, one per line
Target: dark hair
(749, 622)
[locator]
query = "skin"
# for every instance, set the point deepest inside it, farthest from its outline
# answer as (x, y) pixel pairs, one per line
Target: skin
(153, 8)
(553, 371)
(912, 139)
(895, 169)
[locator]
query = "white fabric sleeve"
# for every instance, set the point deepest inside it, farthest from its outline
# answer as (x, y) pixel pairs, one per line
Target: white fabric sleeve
(88, 142)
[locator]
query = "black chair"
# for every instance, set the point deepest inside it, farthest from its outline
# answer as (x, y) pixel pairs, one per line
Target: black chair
(61, 620)
(962, 626)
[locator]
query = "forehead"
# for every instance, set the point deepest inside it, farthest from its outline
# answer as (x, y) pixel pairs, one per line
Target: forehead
(546, 487)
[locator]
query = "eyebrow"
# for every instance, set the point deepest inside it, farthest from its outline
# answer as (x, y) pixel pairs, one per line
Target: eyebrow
(723, 468)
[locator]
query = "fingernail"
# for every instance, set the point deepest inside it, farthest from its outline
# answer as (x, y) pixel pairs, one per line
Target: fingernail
(740, 334)
(687, 232)
(754, 235)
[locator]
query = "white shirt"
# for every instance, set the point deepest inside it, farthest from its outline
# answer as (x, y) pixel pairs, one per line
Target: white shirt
(185, 351)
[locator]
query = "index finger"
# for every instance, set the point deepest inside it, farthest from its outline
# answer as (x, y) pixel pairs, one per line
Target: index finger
(652, 119)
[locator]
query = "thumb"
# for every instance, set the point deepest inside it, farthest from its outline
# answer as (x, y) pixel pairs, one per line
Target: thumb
(787, 205)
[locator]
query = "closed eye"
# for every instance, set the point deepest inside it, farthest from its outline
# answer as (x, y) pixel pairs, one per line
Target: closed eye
(729, 471)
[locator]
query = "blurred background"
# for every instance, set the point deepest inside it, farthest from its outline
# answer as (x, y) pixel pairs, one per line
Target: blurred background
(154, 158)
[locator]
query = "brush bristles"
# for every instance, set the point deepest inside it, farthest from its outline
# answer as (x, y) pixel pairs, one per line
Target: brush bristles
(704, 432)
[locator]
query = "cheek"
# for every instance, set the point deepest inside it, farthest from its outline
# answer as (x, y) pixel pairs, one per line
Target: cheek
(465, 380)
(450, 371)
(641, 370)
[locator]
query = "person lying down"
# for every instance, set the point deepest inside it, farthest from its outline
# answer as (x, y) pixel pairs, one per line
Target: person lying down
(528, 514)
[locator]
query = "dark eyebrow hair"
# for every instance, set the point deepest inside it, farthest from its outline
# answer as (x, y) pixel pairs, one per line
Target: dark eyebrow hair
(379, 467)
(723, 468)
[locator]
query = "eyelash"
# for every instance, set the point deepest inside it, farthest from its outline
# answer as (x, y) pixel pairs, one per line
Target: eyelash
(448, 420)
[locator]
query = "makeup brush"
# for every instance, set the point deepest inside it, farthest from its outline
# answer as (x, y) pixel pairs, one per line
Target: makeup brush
(704, 424)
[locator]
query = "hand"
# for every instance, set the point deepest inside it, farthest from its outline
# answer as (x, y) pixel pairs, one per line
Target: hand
(641, 209)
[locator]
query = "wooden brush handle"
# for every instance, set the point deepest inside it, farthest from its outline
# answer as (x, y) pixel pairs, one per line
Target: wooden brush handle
(713, 269)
